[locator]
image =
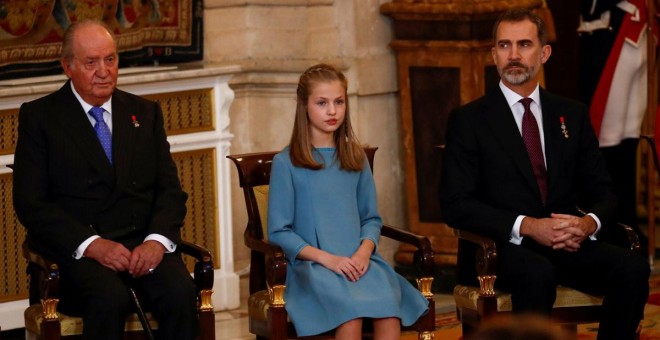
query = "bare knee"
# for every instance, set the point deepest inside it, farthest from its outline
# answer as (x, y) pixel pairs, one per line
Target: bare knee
(387, 328)
(351, 329)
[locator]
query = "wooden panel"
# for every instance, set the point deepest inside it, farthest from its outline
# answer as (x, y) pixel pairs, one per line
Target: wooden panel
(197, 174)
(13, 279)
(433, 94)
(8, 131)
(186, 111)
(434, 78)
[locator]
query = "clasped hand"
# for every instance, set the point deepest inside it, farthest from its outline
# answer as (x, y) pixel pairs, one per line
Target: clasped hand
(351, 267)
(559, 231)
(115, 256)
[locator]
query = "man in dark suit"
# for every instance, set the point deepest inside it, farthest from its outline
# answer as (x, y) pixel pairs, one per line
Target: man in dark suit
(97, 189)
(516, 170)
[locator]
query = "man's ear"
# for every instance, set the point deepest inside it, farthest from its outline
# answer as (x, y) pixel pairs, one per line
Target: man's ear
(546, 50)
(66, 67)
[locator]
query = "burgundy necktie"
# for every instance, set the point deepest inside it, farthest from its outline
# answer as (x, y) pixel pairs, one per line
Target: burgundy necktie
(532, 138)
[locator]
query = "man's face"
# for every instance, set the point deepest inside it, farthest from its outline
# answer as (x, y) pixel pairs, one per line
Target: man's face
(94, 66)
(518, 53)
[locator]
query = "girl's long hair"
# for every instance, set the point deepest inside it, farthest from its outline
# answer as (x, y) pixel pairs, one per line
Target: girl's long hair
(350, 153)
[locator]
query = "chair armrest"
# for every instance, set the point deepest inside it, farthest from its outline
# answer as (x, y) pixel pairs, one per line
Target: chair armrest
(424, 255)
(49, 274)
(274, 259)
(486, 256)
(203, 272)
(631, 235)
(633, 238)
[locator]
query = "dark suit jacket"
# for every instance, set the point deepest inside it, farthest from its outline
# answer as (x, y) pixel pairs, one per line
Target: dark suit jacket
(487, 178)
(66, 190)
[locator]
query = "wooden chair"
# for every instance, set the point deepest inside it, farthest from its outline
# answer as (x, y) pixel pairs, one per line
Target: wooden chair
(43, 321)
(474, 304)
(266, 304)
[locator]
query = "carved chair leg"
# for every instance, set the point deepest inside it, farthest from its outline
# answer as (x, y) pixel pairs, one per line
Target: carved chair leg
(467, 330)
(486, 306)
(51, 330)
(277, 322)
(207, 325)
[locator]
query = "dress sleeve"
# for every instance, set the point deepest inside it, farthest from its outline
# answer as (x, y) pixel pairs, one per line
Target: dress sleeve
(370, 221)
(281, 209)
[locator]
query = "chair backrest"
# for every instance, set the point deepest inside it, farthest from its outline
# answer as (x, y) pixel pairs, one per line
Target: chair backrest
(254, 178)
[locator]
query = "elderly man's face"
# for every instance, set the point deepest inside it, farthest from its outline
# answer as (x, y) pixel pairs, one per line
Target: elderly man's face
(94, 67)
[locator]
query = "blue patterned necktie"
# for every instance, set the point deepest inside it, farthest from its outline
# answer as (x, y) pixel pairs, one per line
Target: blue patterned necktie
(532, 138)
(102, 131)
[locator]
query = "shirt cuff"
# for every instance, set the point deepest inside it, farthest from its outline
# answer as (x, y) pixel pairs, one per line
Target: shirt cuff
(170, 246)
(78, 254)
(515, 231)
(598, 225)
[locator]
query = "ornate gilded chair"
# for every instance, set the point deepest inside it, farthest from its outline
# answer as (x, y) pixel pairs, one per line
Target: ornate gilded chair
(266, 304)
(474, 304)
(43, 321)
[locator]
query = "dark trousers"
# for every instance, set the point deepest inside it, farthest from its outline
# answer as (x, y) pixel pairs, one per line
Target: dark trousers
(100, 295)
(531, 273)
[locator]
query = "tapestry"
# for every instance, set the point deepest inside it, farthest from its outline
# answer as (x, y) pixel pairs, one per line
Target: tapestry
(147, 32)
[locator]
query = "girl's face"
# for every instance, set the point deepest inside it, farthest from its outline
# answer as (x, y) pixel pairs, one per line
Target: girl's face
(326, 109)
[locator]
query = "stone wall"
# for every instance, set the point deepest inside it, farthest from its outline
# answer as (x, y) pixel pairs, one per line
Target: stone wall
(274, 41)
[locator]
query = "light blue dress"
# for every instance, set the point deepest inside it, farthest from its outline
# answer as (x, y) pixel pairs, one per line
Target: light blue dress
(333, 210)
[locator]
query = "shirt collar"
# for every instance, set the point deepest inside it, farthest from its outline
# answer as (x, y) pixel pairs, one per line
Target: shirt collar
(106, 106)
(513, 98)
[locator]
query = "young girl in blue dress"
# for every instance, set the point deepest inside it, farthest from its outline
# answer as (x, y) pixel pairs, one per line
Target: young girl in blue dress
(323, 213)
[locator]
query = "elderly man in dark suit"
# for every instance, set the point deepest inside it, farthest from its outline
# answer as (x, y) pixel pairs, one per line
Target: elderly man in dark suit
(518, 163)
(97, 189)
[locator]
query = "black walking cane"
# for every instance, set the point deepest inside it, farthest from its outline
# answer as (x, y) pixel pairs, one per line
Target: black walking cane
(143, 318)
(138, 308)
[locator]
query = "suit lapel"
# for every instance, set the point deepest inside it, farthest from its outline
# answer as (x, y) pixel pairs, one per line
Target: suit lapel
(505, 130)
(554, 146)
(74, 120)
(123, 134)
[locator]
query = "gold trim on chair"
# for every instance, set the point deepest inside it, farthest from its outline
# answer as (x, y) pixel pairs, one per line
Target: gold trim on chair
(487, 285)
(426, 336)
(276, 295)
(424, 284)
(206, 302)
(50, 308)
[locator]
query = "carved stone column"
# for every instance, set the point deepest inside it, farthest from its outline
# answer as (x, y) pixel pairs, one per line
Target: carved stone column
(443, 60)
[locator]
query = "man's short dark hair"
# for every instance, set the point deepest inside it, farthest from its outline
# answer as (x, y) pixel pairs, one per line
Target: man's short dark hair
(521, 14)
